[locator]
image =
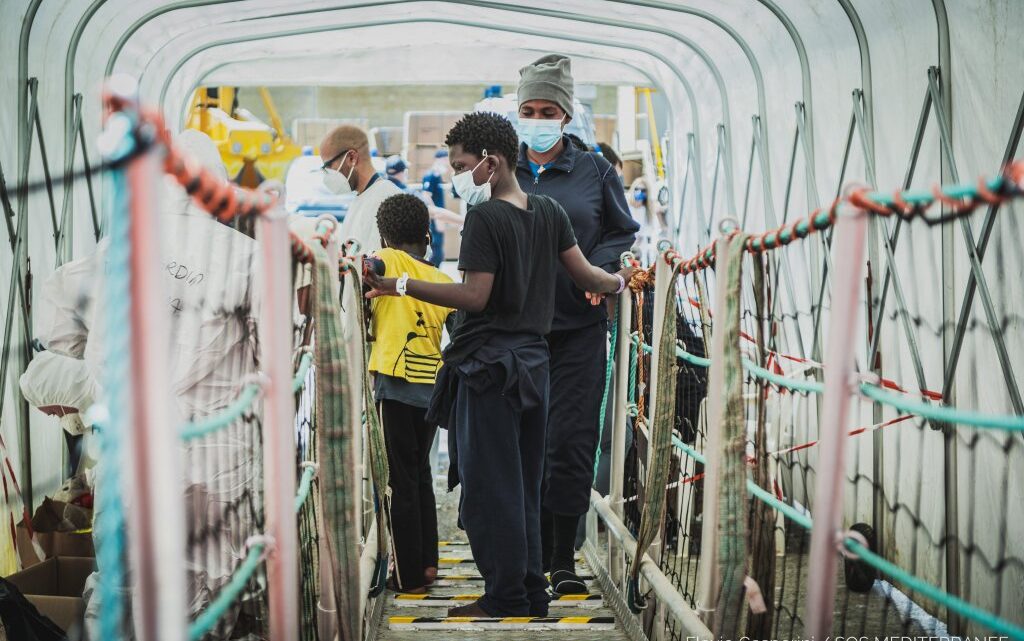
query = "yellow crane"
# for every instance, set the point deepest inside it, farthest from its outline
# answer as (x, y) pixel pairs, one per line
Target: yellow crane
(252, 150)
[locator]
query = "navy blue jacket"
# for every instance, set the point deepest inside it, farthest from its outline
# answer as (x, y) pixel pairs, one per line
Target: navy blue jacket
(590, 190)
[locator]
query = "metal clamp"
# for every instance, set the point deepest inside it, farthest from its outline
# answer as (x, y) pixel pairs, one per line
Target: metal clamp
(728, 225)
(353, 246)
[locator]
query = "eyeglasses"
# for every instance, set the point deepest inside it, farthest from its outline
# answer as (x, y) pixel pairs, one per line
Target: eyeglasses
(327, 165)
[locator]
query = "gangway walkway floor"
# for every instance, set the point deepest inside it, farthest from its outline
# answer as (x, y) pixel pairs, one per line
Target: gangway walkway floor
(421, 617)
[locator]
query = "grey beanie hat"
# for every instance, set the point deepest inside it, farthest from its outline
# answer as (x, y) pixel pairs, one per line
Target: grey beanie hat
(547, 78)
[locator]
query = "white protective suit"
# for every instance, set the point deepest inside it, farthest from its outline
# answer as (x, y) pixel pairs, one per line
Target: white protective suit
(210, 287)
(53, 379)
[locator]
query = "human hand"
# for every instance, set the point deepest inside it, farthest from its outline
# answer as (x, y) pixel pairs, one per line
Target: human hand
(379, 286)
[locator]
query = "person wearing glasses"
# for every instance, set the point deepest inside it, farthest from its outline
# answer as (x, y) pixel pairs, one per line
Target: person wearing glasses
(347, 169)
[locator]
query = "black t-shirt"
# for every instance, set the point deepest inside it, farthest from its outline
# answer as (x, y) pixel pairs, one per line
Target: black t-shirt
(521, 248)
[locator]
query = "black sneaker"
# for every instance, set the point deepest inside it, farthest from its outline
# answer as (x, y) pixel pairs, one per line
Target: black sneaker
(567, 582)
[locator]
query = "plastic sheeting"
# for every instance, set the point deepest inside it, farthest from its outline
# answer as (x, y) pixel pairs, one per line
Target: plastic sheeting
(738, 64)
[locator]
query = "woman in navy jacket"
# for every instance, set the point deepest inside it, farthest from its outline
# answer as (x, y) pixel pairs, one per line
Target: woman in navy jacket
(555, 164)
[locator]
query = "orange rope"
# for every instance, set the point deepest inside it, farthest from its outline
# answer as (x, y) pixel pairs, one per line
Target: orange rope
(1012, 186)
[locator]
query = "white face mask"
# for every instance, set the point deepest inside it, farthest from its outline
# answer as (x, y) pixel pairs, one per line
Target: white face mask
(467, 189)
(336, 183)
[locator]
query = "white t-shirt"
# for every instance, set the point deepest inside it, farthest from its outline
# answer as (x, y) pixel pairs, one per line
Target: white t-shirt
(361, 220)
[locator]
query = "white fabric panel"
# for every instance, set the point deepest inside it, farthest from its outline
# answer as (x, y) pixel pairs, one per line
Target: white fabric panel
(403, 65)
(902, 41)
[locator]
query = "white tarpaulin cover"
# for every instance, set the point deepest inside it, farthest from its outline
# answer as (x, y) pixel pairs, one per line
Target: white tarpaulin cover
(732, 72)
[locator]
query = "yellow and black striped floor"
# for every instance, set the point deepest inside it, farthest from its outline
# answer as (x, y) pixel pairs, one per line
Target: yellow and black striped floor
(417, 617)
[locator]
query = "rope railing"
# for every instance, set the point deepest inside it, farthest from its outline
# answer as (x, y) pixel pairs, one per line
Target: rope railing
(221, 604)
(879, 563)
(700, 545)
(241, 405)
(908, 205)
(132, 132)
(904, 402)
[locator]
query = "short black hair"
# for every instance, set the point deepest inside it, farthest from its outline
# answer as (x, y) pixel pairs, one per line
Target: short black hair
(484, 130)
(609, 154)
(403, 219)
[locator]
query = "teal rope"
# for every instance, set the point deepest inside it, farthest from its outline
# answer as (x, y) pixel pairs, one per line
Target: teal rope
(305, 483)
(109, 529)
(939, 413)
(231, 413)
(607, 390)
(682, 354)
(943, 413)
(197, 429)
(900, 575)
(634, 363)
(209, 617)
(810, 387)
(300, 374)
(935, 593)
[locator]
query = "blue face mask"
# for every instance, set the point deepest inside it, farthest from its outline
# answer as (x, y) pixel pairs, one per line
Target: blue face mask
(539, 134)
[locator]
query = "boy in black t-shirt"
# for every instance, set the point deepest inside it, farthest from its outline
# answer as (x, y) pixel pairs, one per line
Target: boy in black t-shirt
(492, 391)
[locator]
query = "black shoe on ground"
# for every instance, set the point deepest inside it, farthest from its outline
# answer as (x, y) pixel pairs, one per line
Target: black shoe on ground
(567, 582)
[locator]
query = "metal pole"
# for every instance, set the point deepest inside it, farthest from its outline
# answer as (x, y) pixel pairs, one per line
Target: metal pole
(618, 463)
(275, 334)
(851, 227)
(157, 512)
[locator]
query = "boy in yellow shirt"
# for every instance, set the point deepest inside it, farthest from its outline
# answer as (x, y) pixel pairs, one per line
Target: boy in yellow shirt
(405, 359)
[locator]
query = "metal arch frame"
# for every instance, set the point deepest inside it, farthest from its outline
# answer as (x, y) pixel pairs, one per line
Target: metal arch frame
(72, 113)
(201, 80)
(320, 29)
(752, 59)
(19, 263)
(576, 17)
(755, 69)
(562, 15)
(716, 74)
(865, 79)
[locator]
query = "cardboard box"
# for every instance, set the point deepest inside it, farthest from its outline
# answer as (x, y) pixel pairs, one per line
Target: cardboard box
(604, 128)
(53, 544)
(55, 588)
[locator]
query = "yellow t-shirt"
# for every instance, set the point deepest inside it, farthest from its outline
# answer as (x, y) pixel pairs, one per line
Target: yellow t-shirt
(407, 331)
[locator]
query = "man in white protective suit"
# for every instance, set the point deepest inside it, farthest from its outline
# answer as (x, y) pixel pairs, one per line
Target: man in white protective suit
(211, 298)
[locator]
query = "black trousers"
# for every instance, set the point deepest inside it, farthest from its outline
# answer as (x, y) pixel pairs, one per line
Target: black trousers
(578, 361)
(500, 461)
(413, 511)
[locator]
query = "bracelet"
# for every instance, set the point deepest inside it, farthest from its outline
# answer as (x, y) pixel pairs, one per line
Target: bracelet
(622, 283)
(403, 283)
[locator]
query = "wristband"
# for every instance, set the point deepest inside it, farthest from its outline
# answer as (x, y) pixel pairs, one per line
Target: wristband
(402, 284)
(622, 283)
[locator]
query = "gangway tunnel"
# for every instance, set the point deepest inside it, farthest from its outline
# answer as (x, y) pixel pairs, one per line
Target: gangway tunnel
(810, 419)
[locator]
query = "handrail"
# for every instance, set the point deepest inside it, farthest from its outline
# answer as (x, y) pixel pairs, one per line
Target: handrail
(657, 580)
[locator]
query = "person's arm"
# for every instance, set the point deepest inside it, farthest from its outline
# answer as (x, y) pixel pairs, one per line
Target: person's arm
(593, 280)
(470, 295)
(618, 229)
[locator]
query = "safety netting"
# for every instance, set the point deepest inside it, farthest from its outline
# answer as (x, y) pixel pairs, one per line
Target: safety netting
(171, 318)
(760, 429)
